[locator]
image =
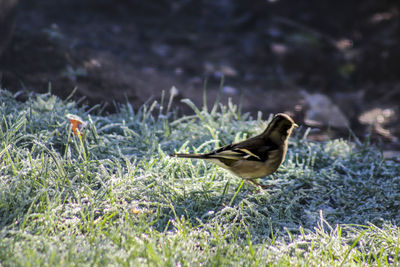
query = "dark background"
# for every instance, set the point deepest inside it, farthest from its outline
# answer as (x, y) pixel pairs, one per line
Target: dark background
(272, 54)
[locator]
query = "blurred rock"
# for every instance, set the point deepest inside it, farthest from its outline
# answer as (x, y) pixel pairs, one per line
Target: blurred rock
(229, 90)
(228, 71)
(322, 112)
(350, 103)
(278, 49)
(219, 71)
(376, 118)
(376, 115)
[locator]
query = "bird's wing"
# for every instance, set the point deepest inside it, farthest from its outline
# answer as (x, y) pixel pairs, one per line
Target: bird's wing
(226, 152)
(256, 149)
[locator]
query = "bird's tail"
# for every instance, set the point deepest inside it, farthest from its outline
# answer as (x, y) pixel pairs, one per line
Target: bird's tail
(191, 156)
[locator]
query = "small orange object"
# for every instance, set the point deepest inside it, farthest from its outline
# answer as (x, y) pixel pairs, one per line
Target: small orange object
(135, 211)
(76, 123)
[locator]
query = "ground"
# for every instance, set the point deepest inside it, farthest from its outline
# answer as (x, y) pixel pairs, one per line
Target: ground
(269, 52)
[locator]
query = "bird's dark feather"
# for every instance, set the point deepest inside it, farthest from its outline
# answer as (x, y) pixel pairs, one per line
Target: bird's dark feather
(260, 149)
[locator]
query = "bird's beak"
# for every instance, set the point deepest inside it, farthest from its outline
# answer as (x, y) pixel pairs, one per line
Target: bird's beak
(295, 125)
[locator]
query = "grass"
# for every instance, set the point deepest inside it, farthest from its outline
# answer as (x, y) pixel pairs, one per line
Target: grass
(115, 197)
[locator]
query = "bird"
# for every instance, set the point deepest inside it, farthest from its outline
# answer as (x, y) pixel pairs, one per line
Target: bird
(256, 157)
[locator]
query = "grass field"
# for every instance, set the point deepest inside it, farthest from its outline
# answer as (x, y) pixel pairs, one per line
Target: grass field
(113, 196)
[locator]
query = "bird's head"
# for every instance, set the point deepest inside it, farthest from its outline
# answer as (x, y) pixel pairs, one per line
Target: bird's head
(280, 128)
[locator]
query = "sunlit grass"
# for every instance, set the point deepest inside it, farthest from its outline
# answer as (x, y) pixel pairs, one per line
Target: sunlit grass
(115, 197)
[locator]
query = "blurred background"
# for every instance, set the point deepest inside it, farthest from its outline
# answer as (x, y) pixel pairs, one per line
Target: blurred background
(330, 64)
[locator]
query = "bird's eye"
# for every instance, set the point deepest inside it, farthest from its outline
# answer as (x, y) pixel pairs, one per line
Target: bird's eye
(285, 129)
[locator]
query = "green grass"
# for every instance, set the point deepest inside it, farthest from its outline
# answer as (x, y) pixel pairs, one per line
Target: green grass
(115, 197)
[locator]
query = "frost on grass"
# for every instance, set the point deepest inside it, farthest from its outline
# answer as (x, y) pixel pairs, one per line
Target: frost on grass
(113, 196)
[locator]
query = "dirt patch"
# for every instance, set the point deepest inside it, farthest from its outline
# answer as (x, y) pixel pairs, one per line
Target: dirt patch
(267, 52)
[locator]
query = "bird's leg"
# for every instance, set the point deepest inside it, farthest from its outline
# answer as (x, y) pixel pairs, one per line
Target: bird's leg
(263, 186)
